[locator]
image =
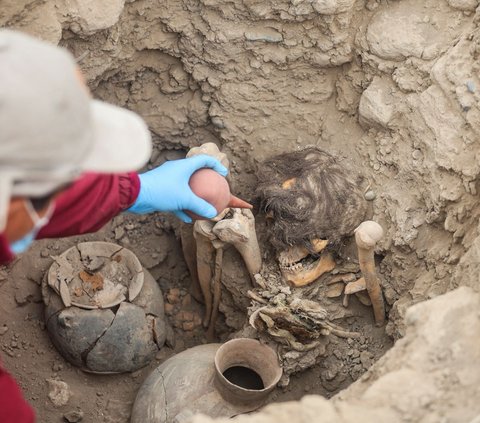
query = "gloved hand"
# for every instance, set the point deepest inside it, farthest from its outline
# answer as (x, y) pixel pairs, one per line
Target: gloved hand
(166, 188)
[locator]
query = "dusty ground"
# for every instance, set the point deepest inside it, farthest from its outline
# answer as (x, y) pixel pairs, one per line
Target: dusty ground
(390, 87)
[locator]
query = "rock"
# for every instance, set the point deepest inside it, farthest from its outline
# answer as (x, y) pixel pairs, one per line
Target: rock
(376, 104)
(173, 296)
(332, 7)
(268, 35)
(370, 195)
(56, 367)
(3, 330)
(59, 392)
(466, 5)
(366, 359)
(89, 16)
(73, 416)
(394, 34)
(119, 233)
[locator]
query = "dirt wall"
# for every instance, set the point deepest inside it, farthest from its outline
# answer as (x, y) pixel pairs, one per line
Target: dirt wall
(391, 87)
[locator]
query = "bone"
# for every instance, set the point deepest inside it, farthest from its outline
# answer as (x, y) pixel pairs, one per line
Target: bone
(202, 231)
(367, 234)
(217, 288)
(240, 232)
(324, 265)
(210, 149)
(355, 286)
(189, 250)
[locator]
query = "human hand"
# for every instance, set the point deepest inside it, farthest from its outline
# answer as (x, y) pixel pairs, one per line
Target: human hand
(166, 188)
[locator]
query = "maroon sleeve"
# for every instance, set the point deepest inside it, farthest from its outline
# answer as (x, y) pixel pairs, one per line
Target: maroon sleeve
(90, 203)
(13, 407)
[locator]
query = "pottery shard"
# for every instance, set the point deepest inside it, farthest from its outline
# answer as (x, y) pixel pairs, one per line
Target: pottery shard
(129, 339)
(75, 330)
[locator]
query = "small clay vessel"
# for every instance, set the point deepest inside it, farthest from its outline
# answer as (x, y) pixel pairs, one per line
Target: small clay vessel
(213, 187)
(218, 380)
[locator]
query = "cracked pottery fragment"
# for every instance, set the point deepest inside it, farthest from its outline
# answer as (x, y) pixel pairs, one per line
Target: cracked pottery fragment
(104, 312)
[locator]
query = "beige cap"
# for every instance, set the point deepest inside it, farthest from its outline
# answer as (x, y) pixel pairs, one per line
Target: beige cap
(50, 128)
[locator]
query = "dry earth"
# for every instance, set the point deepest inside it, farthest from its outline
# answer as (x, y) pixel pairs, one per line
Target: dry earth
(390, 87)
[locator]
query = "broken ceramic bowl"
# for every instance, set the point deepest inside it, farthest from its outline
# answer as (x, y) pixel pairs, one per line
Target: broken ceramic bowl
(103, 311)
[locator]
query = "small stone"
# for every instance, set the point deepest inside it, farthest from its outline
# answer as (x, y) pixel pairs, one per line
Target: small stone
(119, 233)
(417, 154)
(471, 86)
(330, 374)
(173, 296)
(187, 316)
(268, 35)
(370, 195)
(44, 253)
(57, 367)
(366, 359)
(188, 326)
(169, 308)
(59, 392)
(3, 330)
(73, 416)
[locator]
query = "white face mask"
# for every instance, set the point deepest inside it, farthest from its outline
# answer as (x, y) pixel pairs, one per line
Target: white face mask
(22, 244)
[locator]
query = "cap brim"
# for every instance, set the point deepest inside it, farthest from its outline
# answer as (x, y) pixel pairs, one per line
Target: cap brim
(122, 141)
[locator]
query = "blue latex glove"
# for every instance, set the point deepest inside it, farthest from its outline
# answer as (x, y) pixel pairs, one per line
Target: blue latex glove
(166, 188)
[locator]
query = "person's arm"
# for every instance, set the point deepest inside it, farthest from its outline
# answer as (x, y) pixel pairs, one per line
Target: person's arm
(13, 407)
(94, 199)
(90, 203)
